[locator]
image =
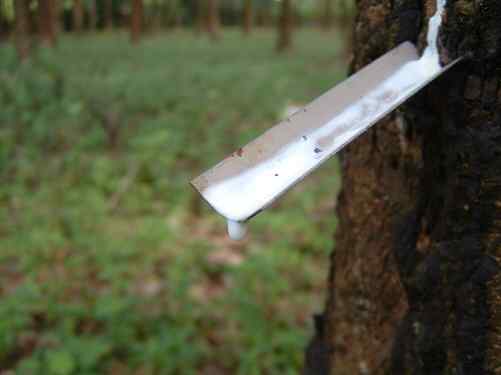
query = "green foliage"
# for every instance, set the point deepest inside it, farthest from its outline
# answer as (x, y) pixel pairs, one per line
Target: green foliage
(7, 10)
(110, 263)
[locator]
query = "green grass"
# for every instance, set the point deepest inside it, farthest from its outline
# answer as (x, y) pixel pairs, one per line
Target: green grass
(109, 262)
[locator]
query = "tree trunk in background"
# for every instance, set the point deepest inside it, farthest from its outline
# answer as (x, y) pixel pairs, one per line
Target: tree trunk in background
(93, 15)
(4, 30)
(199, 16)
(32, 19)
(108, 14)
(78, 16)
(47, 21)
(22, 29)
(177, 15)
(327, 14)
(344, 18)
(157, 18)
(178, 19)
(136, 21)
(247, 16)
(213, 22)
(285, 26)
(58, 16)
(415, 286)
(264, 17)
(268, 20)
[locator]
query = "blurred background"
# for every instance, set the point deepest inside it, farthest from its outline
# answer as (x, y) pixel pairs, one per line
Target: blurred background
(109, 262)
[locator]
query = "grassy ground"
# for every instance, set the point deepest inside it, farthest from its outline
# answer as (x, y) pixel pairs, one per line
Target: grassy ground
(109, 263)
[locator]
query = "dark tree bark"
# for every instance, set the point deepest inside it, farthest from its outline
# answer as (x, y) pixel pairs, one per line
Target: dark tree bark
(284, 41)
(247, 17)
(108, 14)
(22, 29)
(136, 21)
(415, 286)
(213, 22)
(47, 21)
(78, 16)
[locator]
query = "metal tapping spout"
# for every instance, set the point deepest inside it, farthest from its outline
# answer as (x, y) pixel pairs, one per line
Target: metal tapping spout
(257, 174)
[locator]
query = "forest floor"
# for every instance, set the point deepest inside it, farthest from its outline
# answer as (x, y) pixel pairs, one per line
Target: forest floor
(109, 262)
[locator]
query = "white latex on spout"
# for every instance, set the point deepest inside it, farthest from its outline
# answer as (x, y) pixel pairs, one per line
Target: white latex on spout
(241, 196)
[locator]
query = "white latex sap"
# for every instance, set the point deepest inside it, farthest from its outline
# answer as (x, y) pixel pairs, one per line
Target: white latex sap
(236, 230)
(245, 194)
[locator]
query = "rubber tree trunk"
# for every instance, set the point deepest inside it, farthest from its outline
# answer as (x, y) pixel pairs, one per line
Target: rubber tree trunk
(78, 16)
(213, 22)
(108, 14)
(47, 21)
(136, 21)
(284, 41)
(415, 286)
(247, 17)
(22, 29)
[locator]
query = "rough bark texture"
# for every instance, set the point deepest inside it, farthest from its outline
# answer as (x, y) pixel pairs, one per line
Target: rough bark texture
(22, 29)
(284, 41)
(415, 286)
(248, 17)
(136, 21)
(78, 16)
(47, 21)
